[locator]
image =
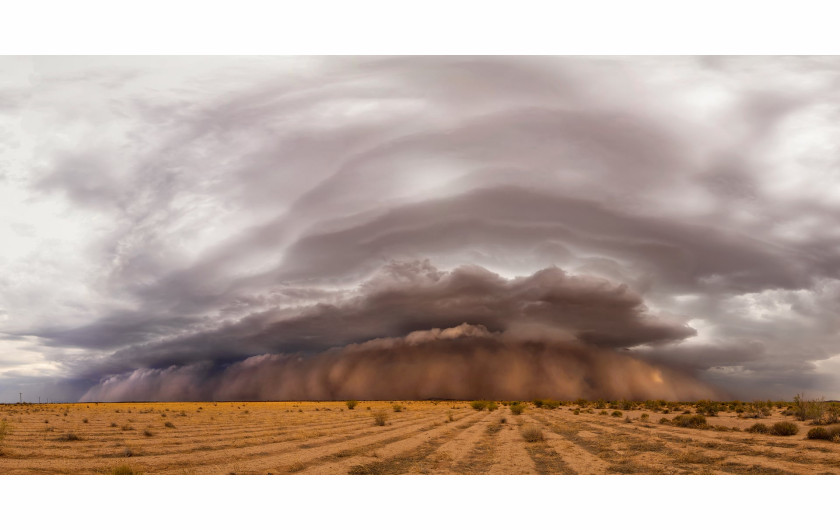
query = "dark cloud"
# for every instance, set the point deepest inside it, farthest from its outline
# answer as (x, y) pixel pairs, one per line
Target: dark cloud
(408, 296)
(464, 362)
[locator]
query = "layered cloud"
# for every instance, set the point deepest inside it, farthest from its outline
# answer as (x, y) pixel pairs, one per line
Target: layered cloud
(180, 215)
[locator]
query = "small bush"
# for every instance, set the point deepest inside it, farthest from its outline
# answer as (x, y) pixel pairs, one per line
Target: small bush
(503, 420)
(551, 404)
(603, 413)
(664, 421)
(758, 428)
(397, 407)
(478, 405)
(538, 403)
(85, 420)
(691, 421)
(68, 437)
(148, 433)
(517, 408)
(616, 414)
(491, 406)
(379, 417)
(122, 470)
(819, 433)
(576, 412)
(645, 417)
(532, 433)
(169, 425)
(351, 403)
(113, 424)
(784, 428)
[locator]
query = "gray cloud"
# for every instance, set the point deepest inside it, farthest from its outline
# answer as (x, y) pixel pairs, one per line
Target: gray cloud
(166, 212)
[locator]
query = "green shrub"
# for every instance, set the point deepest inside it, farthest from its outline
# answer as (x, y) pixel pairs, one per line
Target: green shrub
(478, 405)
(538, 403)
(517, 408)
(397, 407)
(532, 433)
(758, 428)
(645, 417)
(603, 413)
(617, 413)
(581, 403)
(600, 404)
(492, 405)
(576, 412)
(808, 409)
(690, 421)
(551, 404)
(351, 403)
(784, 428)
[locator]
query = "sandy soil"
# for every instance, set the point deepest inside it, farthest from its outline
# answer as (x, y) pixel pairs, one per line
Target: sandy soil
(424, 438)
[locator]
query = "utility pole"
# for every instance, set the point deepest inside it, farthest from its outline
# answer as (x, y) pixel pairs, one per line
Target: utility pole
(20, 394)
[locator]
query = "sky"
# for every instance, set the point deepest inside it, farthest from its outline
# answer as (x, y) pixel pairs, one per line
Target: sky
(208, 228)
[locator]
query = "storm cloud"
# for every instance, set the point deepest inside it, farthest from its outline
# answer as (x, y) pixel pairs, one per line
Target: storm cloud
(170, 223)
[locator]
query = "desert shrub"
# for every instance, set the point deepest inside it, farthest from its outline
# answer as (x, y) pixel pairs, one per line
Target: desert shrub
(626, 405)
(708, 408)
(397, 407)
(576, 412)
(68, 437)
(784, 428)
(85, 420)
(808, 409)
(503, 420)
(551, 404)
(603, 413)
(113, 424)
(351, 403)
(757, 409)
(379, 417)
(538, 403)
(819, 433)
(758, 428)
(600, 404)
(169, 425)
(645, 417)
(127, 428)
(148, 433)
(691, 421)
(478, 405)
(123, 470)
(581, 403)
(450, 416)
(4, 430)
(532, 433)
(517, 408)
(617, 414)
(492, 405)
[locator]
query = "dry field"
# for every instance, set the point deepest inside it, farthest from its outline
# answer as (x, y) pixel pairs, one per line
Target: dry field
(423, 438)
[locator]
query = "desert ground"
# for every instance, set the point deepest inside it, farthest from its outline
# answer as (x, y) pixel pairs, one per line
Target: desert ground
(417, 437)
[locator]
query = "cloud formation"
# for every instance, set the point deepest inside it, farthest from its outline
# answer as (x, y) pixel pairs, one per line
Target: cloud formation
(175, 213)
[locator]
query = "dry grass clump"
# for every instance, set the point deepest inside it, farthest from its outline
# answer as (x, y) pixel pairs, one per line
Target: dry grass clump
(758, 428)
(351, 404)
(397, 407)
(690, 421)
(825, 433)
(124, 469)
(784, 428)
(450, 416)
(148, 433)
(169, 425)
(379, 418)
(68, 437)
(517, 408)
(532, 433)
(617, 414)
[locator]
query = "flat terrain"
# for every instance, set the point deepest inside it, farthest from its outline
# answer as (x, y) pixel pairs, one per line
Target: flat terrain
(424, 438)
